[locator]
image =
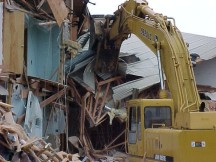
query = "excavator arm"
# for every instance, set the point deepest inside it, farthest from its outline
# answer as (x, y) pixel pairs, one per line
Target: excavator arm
(164, 39)
(159, 129)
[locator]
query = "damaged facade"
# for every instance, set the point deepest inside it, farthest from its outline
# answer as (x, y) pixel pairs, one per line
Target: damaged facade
(47, 77)
(53, 91)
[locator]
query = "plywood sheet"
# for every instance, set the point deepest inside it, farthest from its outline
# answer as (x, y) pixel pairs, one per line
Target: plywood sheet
(59, 10)
(13, 42)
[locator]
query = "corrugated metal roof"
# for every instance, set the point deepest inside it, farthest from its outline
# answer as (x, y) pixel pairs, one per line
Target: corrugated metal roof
(124, 90)
(147, 66)
(202, 45)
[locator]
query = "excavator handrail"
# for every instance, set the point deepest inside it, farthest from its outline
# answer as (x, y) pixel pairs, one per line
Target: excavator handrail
(174, 53)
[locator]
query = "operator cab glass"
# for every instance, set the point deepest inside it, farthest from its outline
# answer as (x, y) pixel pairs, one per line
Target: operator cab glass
(157, 116)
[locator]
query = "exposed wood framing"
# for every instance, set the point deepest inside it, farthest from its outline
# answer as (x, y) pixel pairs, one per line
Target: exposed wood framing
(13, 42)
(103, 102)
(82, 118)
(94, 104)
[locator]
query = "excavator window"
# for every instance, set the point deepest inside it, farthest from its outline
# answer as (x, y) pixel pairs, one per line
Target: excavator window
(157, 116)
(139, 131)
(135, 127)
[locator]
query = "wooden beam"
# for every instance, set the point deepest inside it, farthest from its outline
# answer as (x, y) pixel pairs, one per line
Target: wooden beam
(109, 80)
(103, 101)
(59, 10)
(52, 98)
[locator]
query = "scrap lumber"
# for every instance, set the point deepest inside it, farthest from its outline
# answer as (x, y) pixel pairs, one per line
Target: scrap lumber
(52, 98)
(17, 143)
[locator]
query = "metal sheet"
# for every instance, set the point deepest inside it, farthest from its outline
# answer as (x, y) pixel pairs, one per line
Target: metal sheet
(89, 76)
(202, 45)
(148, 69)
(124, 90)
(70, 64)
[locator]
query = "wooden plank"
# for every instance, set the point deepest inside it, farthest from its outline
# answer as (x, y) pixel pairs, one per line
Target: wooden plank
(59, 10)
(52, 98)
(13, 42)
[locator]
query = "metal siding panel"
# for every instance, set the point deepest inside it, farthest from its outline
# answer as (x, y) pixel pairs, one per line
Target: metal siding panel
(43, 53)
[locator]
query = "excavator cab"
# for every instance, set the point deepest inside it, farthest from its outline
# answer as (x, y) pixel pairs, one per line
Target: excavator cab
(146, 114)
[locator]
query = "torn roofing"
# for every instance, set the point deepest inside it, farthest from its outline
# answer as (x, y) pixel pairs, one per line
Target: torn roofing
(146, 65)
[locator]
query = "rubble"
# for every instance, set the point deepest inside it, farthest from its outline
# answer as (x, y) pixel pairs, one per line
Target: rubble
(15, 145)
(63, 91)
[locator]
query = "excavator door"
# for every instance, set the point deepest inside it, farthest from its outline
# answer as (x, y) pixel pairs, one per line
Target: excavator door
(146, 114)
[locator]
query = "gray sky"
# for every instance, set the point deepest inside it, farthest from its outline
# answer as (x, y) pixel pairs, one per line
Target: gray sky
(192, 16)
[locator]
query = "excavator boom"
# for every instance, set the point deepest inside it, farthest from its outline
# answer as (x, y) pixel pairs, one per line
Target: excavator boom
(161, 36)
(166, 129)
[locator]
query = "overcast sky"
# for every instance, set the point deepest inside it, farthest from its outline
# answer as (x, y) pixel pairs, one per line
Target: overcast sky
(192, 16)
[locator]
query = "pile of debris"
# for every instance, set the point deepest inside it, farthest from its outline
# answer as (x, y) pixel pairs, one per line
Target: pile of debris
(15, 145)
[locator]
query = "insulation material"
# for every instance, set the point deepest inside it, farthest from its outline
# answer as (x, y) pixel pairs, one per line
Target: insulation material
(33, 121)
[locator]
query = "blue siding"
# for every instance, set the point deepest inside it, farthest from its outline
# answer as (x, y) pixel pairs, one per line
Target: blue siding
(43, 52)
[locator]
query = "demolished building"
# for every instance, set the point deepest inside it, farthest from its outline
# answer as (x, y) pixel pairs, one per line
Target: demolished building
(48, 76)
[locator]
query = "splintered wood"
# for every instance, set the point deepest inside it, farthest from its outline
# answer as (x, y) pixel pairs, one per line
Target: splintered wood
(94, 103)
(14, 141)
(59, 10)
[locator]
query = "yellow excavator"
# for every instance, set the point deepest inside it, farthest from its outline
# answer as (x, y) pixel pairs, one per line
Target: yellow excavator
(173, 128)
